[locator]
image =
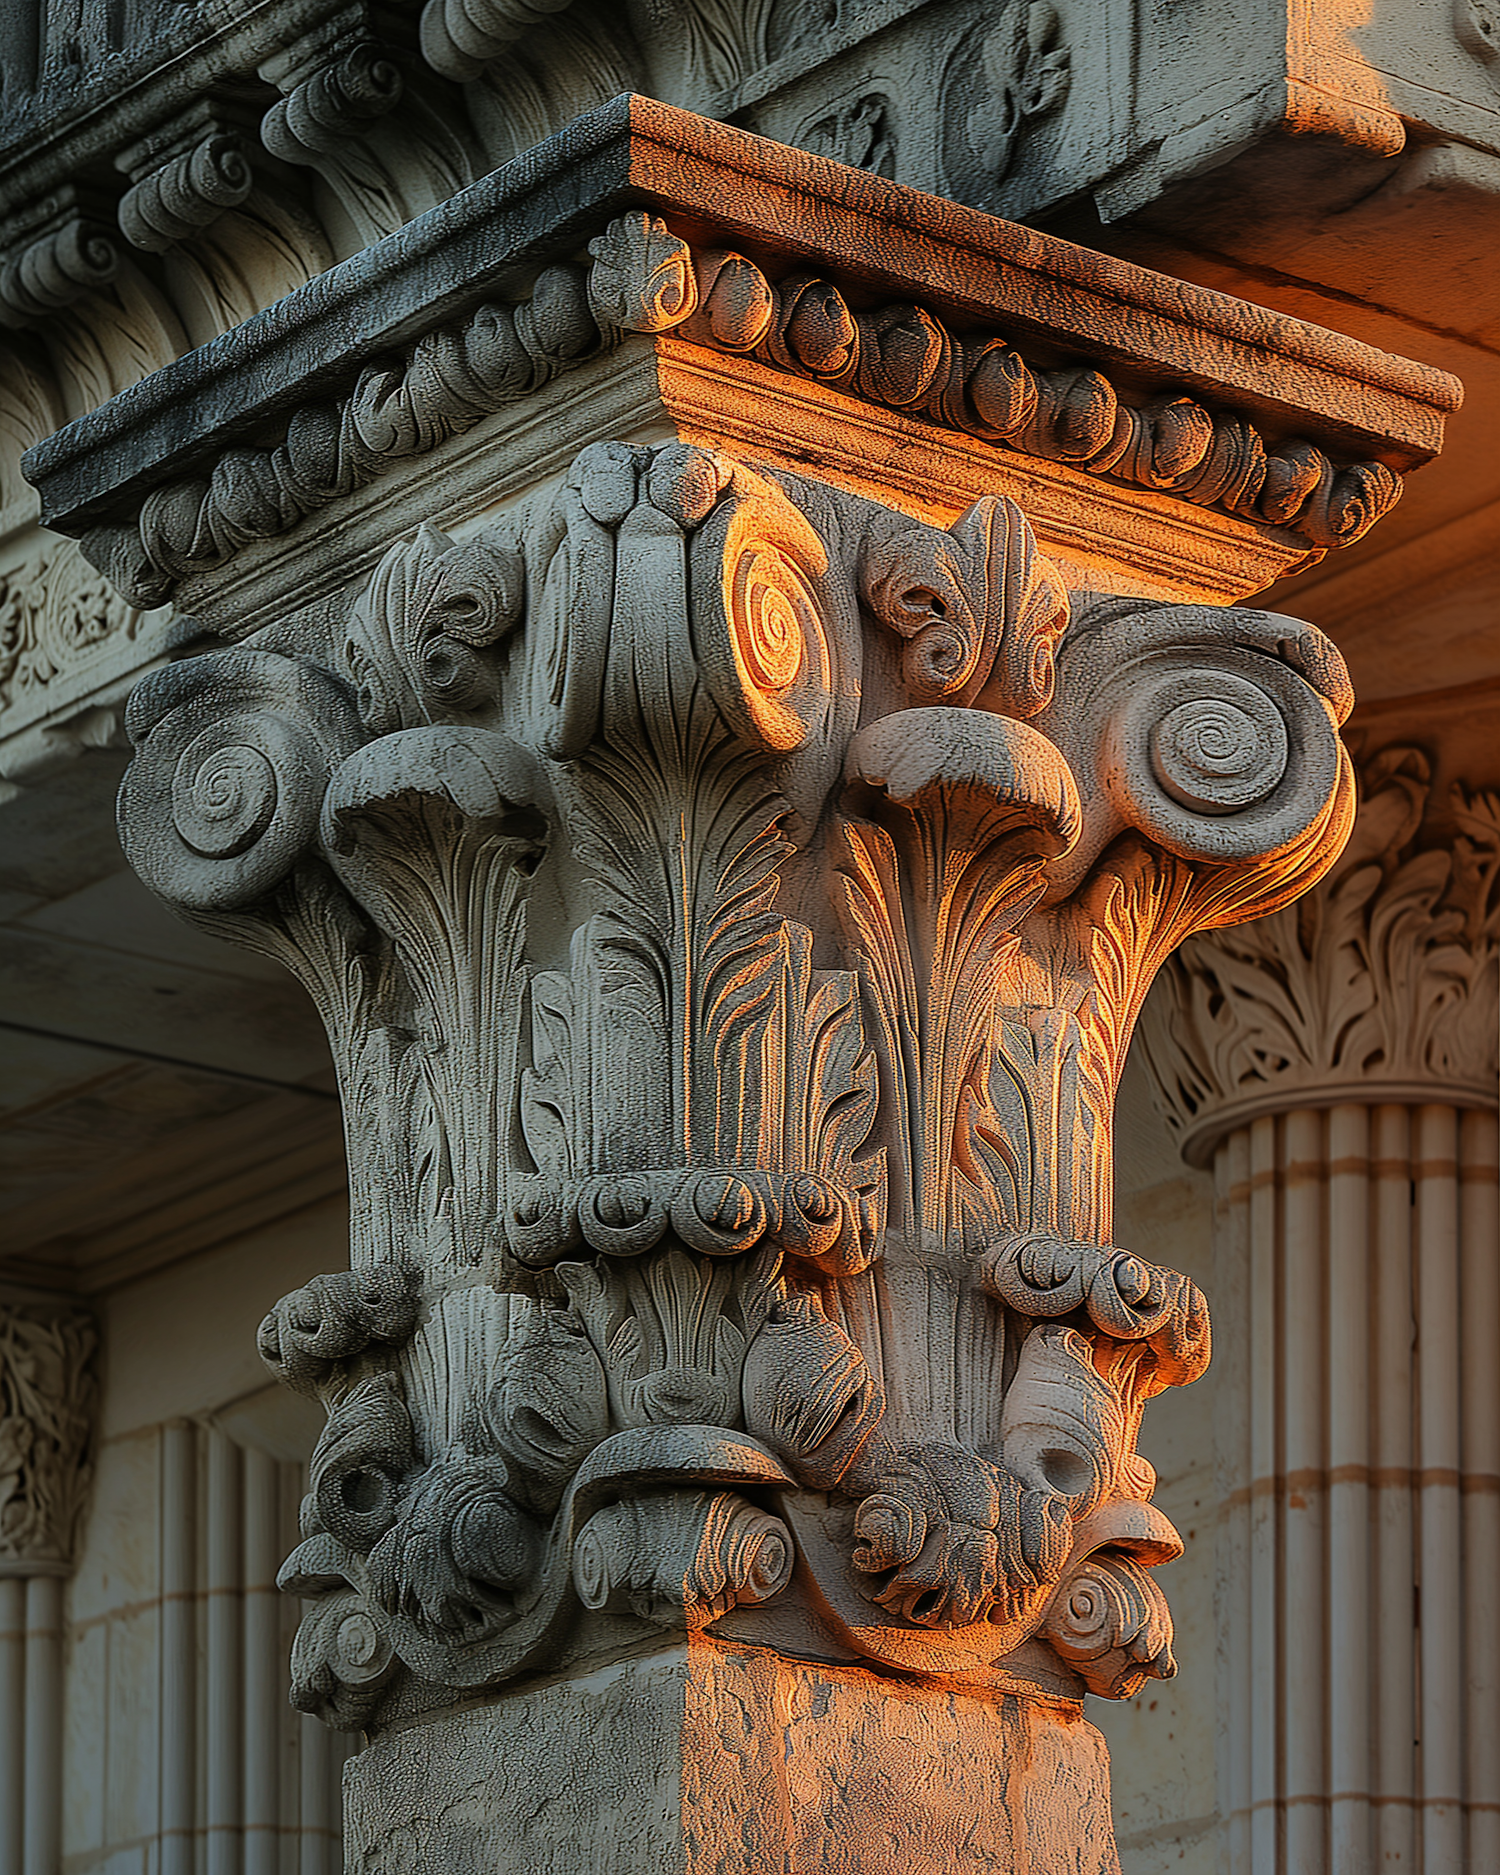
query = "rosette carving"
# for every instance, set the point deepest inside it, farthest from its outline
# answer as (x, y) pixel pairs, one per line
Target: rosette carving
(1111, 1623)
(461, 1555)
(342, 1657)
(233, 754)
(950, 1540)
(642, 278)
(763, 639)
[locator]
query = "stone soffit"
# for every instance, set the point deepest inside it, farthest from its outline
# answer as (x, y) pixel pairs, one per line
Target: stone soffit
(1165, 439)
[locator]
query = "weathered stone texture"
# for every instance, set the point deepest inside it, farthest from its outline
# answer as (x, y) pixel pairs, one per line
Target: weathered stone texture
(717, 1758)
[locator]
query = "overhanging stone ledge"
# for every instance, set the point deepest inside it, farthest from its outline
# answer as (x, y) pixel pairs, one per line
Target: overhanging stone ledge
(724, 186)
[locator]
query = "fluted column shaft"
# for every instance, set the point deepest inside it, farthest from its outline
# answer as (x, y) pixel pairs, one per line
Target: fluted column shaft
(1336, 1063)
(1363, 1733)
(256, 1782)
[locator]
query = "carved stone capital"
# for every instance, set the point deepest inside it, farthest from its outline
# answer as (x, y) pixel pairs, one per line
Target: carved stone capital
(727, 725)
(47, 1396)
(1380, 986)
(729, 899)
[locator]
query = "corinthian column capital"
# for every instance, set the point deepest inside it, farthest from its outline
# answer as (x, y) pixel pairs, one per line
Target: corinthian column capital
(1378, 987)
(694, 1236)
(46, 1423)
(729, 819)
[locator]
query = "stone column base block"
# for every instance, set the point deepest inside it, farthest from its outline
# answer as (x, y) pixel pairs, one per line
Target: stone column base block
(707, 1758)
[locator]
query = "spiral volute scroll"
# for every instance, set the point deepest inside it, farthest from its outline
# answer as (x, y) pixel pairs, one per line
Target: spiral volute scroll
(757, 565)
(1212, 732)
(1222, 762)
(233, 757)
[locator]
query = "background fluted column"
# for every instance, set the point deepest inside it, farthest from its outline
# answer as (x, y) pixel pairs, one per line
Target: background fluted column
(46, 1415)
(1337, 1069)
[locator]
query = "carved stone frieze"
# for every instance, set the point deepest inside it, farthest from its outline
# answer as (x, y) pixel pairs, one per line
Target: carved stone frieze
(730, 899)
(47, 1392)
(55, 612)
(644, 279)
(1023, 72)
(1381, 985)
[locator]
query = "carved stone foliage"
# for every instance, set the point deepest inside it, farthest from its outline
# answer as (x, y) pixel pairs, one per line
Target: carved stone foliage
(54, 612)
(860, 131)
(729, 900)
(47, 1393)
(1379, 986)
(644, 279)
(1020, 70)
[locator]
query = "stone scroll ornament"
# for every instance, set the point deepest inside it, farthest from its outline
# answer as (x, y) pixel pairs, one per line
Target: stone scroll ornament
(729, 900)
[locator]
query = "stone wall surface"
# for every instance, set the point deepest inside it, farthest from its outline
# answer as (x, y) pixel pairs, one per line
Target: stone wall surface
(176, 1738)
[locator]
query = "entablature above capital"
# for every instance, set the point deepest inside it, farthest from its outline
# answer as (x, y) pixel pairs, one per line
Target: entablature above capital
(648, 272)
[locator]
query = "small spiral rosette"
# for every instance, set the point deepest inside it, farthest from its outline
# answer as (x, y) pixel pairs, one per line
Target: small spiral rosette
(681, 1559)
(315, 1330)
(718, 1211)
(342, 1657)
(1111, 1624)
(980, 608)
(949, 1539)
(1112, 1290)
(461, 1559)
(233, 757)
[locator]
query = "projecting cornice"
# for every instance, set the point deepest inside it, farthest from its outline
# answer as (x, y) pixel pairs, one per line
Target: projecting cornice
(1007, 353)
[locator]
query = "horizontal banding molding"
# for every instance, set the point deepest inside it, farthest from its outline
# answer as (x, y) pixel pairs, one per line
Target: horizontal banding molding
(788, 210)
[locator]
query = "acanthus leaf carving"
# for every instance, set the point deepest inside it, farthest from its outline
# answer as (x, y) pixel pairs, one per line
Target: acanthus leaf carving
(1028, 73)
(730, 902)
(1381, 984)
(47, 1397)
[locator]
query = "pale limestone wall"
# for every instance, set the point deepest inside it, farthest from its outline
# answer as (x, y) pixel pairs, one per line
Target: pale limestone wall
(1162, 1743)
(178, 1359)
